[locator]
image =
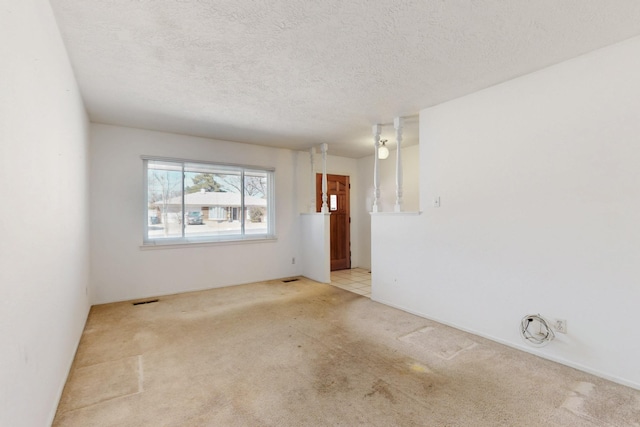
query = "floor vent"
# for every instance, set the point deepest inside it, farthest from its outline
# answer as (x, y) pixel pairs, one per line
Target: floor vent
(290, 280)
(146, 302)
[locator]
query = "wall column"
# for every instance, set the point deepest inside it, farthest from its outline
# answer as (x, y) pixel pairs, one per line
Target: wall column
(312, 204)
(397, 124)
(376, 173)
(325, 208)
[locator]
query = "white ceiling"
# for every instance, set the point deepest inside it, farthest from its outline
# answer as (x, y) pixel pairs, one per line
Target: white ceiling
(294, 74)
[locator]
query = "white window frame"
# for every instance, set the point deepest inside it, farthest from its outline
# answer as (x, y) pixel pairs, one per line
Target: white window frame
(185, 239)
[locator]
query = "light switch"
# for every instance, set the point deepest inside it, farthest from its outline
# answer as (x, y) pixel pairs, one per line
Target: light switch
(436, 202)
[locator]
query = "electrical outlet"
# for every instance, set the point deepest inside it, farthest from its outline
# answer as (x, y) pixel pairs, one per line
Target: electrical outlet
(560, 325)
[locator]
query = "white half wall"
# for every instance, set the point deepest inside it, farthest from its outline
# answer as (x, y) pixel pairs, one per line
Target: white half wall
(122, 270)
(316, 250)
(44, 214)
(387, 175)
(539, 181)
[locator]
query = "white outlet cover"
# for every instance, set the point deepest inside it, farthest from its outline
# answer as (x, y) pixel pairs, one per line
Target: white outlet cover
(560, 326)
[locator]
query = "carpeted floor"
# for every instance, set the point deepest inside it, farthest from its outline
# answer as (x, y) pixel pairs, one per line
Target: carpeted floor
(307, 354)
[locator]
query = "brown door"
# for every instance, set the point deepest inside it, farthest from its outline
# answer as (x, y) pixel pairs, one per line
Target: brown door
(338, 202)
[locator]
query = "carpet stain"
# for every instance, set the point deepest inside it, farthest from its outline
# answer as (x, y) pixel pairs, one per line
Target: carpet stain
(380, 387)
(333, 385)
(575, 400)
(417, 367)
(427, 387)
(446, 343)
(586, 400)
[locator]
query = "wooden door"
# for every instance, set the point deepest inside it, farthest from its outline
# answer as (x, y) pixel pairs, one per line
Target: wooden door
(338, 202)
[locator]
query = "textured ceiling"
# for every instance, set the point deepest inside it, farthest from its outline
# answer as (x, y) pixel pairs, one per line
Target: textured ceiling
(294, 74)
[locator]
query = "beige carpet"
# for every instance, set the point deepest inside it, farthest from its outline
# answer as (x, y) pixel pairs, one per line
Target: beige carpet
(308, 354)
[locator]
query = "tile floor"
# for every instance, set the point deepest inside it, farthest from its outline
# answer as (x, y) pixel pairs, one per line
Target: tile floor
(357, 280)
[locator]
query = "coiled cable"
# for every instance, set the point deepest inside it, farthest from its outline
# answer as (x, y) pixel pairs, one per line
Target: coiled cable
(536, 330)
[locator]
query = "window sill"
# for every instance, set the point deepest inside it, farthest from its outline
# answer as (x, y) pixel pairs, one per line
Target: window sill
(174, 245)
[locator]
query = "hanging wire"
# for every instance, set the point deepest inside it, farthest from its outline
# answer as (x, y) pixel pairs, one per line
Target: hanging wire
(536, 330)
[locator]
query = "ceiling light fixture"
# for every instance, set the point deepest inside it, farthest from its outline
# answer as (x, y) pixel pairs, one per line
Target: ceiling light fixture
(383, 151)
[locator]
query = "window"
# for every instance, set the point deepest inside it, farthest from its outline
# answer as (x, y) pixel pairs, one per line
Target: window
(189, 202)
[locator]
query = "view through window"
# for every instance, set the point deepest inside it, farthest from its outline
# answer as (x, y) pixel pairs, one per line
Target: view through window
(196, 202)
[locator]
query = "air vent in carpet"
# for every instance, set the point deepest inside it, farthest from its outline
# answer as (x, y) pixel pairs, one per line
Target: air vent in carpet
(146, 302)
(290, 280)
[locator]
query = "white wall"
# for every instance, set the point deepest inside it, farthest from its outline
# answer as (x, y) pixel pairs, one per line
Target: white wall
(539, 184)
(316, 250)
(387, 175)
(43, 215)
(122, 270)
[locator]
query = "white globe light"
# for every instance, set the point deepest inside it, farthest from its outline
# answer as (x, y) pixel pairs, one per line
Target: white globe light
(383, 152)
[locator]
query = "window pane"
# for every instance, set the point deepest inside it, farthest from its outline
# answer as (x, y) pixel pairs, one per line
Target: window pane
(212, 202)
(255, 202)
(333, 202)
(164, 198)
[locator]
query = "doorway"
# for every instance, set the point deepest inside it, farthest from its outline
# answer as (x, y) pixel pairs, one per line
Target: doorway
(338, 201)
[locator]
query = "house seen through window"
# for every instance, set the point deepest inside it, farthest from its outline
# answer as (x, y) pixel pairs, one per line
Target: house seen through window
(201, 202)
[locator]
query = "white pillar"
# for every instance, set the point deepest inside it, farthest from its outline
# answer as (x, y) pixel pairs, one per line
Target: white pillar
(397, 124)
(376, 173)
(312, 205)
(325, 208)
